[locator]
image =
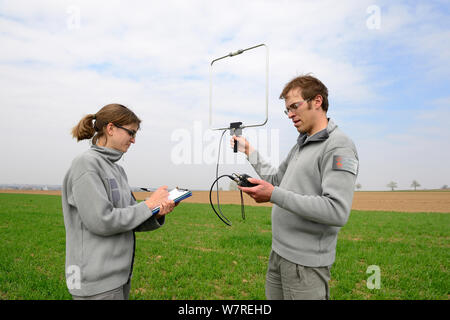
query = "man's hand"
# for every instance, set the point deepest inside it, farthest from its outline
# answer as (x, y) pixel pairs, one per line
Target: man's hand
(261, 193)
(243, 145)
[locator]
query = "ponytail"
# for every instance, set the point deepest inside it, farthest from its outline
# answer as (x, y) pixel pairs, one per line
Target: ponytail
(118, 114)
(85, 128)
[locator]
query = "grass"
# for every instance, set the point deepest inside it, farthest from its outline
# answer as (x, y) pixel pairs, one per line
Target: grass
(195, 256)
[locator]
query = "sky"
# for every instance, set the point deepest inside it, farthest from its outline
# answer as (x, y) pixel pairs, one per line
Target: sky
(385, 63)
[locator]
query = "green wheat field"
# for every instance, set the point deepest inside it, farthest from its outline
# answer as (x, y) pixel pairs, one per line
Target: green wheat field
(195, 256)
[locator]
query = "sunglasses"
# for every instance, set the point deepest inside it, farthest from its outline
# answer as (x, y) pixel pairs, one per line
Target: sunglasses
(132, 133)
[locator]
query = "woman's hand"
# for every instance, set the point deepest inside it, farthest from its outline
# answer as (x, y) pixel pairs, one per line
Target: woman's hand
(157, 197)
(164, 208)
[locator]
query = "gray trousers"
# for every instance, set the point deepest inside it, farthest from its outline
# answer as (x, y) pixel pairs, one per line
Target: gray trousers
(286, 280)
(120, 293)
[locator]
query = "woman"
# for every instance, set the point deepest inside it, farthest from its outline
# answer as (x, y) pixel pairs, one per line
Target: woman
(100, 212)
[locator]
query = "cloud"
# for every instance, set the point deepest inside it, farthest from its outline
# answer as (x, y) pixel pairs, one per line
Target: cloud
(155, 56)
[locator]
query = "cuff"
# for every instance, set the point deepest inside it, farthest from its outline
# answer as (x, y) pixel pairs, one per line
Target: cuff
(278, 196)
(161, 221)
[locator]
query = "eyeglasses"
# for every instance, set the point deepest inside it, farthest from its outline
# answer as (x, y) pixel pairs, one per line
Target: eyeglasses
(132, 133)
(294, 106)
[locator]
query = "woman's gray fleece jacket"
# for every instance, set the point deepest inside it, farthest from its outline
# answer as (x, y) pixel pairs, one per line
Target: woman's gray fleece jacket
(100, 217)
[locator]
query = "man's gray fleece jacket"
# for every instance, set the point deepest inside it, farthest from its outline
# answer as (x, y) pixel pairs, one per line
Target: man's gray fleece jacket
(313, 195)
(100, 217)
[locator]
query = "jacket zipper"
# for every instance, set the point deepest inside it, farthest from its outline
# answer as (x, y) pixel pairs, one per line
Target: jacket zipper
(132, 259)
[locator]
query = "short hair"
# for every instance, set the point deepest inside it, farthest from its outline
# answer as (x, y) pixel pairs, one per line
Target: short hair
(310, 86)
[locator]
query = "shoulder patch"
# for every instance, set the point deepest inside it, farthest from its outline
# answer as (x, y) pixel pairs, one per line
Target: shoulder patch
(345, 164)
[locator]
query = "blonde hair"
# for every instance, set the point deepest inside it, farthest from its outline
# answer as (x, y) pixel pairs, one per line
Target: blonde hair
(92, 125)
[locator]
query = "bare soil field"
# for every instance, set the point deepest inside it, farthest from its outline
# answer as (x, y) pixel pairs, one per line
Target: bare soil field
(408, 201)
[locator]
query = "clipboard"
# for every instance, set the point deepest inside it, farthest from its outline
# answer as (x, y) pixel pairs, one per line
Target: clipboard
(177, 195)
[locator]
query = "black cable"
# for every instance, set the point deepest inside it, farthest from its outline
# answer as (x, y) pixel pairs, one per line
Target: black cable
(242, 206)
(217, 166)
(217, 178)
(220, 215)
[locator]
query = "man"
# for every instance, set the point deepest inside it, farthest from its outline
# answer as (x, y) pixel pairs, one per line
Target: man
(311, 192)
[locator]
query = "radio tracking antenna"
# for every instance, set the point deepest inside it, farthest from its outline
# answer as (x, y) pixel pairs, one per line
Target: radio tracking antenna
(232, 126)
(235, 129)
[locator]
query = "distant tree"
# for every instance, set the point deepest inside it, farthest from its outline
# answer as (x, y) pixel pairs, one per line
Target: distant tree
(415, 184)
(358, 186)
(392, 185)
(444, 187)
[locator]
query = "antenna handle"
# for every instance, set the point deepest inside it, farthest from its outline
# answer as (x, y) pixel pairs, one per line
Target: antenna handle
(235, 129)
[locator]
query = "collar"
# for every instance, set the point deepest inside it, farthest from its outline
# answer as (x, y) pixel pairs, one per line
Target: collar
(108, 153)
(322, 135)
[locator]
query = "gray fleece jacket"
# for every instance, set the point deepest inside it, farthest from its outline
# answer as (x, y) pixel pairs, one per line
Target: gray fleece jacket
(313, 195)
(100, 217)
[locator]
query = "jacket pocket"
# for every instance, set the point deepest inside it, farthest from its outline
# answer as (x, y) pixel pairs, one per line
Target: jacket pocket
(113, 191)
